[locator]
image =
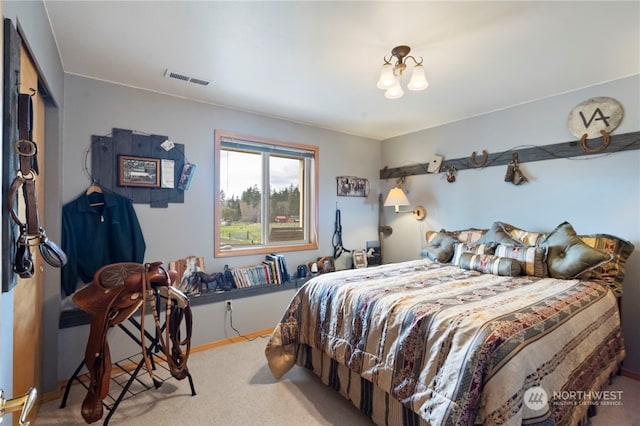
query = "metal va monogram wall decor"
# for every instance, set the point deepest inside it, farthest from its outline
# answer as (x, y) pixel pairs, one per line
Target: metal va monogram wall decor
(595, 117)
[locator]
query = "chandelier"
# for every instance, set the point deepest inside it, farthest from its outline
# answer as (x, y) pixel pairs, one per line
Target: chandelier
(390, 74)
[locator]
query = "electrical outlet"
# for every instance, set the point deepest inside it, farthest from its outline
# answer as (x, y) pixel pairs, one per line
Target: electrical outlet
(227, 305)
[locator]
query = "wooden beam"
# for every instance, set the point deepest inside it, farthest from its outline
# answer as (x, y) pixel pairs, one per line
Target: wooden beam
(618, 143)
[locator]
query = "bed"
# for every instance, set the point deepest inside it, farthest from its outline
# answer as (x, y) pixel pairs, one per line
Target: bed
(492, 326)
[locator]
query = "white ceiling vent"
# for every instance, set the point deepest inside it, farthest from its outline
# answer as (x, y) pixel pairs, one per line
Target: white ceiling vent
(185, 77)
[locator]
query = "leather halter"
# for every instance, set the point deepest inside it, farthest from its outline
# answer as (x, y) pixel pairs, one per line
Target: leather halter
(31, 233)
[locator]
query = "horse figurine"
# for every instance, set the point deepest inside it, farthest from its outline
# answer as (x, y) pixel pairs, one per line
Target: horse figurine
(187, 283)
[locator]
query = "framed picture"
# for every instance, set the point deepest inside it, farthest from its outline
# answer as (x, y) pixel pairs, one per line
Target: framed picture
(138, 171)
(351, 186)
(359, 259)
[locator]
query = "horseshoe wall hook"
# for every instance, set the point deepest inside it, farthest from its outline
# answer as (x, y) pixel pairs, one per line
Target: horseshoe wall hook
(475, 163)
(606, 140)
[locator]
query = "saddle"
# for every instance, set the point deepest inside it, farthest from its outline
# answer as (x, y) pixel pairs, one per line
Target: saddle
(117, 291)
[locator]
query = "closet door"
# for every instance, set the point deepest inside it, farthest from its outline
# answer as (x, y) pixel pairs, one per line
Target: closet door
(28, 292)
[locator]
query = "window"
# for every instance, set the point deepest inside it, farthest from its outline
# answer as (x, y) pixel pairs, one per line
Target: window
(266, 194)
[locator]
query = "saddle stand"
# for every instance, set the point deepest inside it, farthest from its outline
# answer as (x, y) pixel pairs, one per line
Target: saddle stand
(116, 293)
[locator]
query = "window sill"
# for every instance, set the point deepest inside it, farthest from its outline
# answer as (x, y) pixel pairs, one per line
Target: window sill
(77, 317)
(265, 249)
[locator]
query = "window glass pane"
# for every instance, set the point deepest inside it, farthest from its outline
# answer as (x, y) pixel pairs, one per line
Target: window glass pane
(285, 199)
(266, 195)
(240, 198)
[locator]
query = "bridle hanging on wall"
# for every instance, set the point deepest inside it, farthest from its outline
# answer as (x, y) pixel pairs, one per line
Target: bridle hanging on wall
(338, 248)
(31, 233)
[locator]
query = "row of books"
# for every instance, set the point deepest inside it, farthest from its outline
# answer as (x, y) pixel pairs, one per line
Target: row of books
(273, 270)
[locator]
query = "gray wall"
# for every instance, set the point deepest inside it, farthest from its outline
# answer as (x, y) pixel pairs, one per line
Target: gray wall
(596, 194)
(95, 108)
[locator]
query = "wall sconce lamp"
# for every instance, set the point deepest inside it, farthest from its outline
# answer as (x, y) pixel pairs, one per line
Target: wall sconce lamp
(398, 198)
(390, 74)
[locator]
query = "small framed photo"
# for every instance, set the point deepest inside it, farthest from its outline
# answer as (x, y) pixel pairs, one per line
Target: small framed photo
(138, 171)
(359, 259)
(351, 186)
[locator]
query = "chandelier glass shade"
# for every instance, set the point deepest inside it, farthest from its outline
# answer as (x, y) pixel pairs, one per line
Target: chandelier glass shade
(389, 80)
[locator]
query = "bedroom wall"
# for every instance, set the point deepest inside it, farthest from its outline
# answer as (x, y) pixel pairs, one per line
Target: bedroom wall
(95, 108)
(596, 194)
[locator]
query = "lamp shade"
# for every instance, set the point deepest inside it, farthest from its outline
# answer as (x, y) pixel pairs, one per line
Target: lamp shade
(418, 80)
(396, 197)
(387, 79)
(395, 91)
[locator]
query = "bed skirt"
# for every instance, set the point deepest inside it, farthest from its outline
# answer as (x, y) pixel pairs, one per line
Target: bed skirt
(371, 400)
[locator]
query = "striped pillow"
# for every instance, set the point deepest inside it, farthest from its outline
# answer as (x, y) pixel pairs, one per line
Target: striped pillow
(490, 264)
(460, 248)
(528, 238)
(533, 260)
(470, 235)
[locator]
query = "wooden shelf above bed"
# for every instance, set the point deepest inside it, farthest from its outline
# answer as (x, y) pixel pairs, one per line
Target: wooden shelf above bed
(618, 143)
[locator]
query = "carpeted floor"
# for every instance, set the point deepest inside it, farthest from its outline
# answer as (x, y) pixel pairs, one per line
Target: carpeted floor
(235, 387)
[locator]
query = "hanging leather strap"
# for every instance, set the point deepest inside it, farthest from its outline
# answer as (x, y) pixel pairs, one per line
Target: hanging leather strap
(30, 232)
(27, 163)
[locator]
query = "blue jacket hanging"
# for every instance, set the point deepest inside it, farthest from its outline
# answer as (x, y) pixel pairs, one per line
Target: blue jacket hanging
(98, 232)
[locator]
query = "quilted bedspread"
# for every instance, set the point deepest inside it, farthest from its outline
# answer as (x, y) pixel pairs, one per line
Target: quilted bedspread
(456, 346)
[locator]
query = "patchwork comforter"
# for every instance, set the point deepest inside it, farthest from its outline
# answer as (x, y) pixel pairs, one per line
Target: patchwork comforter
(456, 346)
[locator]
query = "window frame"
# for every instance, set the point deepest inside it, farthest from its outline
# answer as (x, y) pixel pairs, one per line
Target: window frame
(311, 243)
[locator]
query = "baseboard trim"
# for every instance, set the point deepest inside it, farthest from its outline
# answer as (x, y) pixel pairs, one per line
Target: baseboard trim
(57, 394)
(233, 339)
(629, 373)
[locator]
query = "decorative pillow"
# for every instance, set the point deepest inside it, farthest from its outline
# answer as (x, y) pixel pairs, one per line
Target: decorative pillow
(460, 248)
(533, 260)
(470, 235)
(490, 264)
(440, 247)
(430, 235)
(568, 256)
(498, 234)
(527, 238)
(611, 273)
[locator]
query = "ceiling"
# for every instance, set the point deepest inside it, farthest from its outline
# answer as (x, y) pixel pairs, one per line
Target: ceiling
(318, 62)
